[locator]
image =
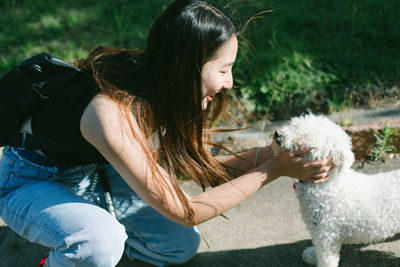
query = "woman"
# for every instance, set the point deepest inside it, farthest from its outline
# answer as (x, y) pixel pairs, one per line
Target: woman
(146, 121)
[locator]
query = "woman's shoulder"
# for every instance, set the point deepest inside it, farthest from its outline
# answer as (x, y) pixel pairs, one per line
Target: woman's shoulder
(111, 129)
(100, 108)
(102, 120)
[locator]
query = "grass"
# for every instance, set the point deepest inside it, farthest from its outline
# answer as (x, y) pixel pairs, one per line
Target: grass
(321, 54)
(70, 29)
(318, 54)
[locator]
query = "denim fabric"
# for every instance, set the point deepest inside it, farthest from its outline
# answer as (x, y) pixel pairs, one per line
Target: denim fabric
(62, 209)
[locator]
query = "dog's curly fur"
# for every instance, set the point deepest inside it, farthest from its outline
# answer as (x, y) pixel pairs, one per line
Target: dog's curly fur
(351, 207)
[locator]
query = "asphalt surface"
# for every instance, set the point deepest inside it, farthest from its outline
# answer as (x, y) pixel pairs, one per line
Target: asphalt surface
(265, 230)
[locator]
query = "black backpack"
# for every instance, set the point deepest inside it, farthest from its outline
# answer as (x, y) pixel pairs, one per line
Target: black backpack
(25, 88)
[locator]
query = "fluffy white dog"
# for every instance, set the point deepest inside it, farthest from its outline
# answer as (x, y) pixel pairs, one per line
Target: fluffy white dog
(351, 207)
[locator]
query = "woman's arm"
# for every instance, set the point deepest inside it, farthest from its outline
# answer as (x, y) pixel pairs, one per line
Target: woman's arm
(246, 160)
(103, 126)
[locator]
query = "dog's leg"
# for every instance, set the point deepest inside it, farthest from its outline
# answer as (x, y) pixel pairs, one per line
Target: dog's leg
(326, 250)
(328, 253)
(309, 256)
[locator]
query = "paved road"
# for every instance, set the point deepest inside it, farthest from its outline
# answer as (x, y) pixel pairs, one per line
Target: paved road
(265, 230)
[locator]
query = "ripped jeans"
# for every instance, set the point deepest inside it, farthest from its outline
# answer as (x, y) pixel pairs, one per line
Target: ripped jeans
(51, 206)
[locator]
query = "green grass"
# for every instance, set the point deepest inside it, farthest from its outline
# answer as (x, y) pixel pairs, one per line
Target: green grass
(321, 54)
(325, 55)
(70, 29)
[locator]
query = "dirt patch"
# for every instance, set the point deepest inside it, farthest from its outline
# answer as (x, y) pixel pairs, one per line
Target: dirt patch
(363, 136)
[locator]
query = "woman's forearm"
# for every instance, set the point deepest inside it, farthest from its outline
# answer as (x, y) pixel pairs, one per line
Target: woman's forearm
(218, 200)
(247, 159)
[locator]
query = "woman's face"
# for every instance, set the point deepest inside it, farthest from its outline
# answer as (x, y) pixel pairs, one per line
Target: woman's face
(216, 74)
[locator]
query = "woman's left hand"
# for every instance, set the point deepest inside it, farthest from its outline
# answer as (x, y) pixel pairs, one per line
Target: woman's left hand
(290, 163)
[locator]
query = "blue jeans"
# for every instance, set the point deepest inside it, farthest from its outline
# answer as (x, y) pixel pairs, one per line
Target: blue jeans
(51, 206)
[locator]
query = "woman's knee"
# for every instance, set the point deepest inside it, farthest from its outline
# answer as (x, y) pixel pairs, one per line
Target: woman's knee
(189, 244)
(172, 248)
(98, 244)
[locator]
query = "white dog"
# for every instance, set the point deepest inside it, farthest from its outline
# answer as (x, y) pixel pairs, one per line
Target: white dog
(351, 207)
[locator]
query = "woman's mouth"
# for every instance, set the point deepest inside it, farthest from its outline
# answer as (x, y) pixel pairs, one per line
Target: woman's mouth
(209, 98)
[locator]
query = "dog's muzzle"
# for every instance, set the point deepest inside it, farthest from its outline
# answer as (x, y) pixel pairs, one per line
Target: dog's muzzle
(278, 138)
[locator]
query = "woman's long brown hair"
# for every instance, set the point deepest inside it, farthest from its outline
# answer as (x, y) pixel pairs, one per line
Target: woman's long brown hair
(161, 87)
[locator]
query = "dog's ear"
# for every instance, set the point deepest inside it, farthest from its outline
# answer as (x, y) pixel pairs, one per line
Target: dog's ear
(343, 156)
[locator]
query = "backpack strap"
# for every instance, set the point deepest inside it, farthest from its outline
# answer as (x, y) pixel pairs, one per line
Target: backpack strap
(102, 174)
(26, 141)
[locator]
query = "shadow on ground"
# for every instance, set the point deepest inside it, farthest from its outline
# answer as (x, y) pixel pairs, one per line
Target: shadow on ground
(290, 255)
(24, 254)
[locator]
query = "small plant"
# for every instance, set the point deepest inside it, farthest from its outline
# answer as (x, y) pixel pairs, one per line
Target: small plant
(384, 144)
(346, 118)
(335, 104)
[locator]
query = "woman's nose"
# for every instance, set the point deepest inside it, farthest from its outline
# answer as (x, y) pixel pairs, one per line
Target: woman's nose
(228, 83)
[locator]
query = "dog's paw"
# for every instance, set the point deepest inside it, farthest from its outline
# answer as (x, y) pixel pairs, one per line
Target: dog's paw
(309, 256)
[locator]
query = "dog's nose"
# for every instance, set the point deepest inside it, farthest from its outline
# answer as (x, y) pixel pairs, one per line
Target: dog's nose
(278, 137)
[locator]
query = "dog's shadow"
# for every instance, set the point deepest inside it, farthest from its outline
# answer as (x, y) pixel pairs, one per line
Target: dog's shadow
(16, 251)
(290, 255)
(352, 255)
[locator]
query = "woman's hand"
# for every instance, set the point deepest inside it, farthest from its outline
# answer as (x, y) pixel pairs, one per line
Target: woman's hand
(289, 163)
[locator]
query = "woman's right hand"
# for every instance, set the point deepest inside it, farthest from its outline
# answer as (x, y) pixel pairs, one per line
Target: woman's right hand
(289, 163)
